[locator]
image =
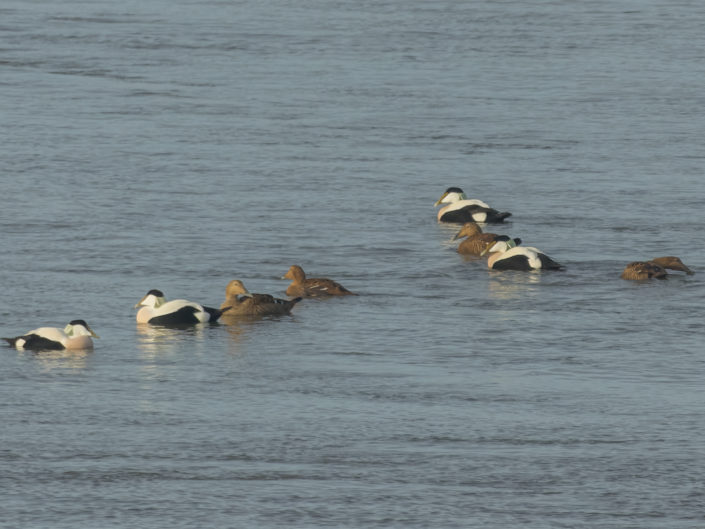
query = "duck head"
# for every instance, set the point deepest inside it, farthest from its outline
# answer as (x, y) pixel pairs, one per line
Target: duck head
(154, 298)
(236, 288)
(452, 194)
(500, 246)
(469, 229)
(672, 263)
(79, 328)
(295, 273)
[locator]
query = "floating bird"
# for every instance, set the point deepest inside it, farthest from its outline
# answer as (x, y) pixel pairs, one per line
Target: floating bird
(460, 209)
(155, 309)
(312, 287)
(240, 302)
(76, 335)
(656, 268)
(503, 255)
(476, 241)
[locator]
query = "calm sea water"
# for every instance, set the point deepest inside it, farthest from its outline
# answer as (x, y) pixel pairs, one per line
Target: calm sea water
(179, 145)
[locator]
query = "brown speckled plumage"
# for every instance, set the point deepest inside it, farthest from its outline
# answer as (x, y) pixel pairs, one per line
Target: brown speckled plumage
(475, 240)
(654, 269)
(240, 302)
(314, 286)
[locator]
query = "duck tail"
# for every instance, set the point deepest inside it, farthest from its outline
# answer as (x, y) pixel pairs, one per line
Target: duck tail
(494, 216)
(214, 313)
(557, 266)
(288, 304)
(11, 341)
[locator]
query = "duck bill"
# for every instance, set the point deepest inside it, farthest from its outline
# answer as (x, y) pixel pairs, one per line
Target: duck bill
(440, 200)
(139, 303)
(93, 334)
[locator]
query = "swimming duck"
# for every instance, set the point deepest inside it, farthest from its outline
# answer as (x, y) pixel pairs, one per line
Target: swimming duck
(302, 286)
(155, 309)
(460, 209)
(656, 268)
(76, 335)
(476, 241)
(240, 302)
(504, 255)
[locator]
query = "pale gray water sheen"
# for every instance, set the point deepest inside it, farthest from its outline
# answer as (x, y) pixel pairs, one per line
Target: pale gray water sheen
(180, 144)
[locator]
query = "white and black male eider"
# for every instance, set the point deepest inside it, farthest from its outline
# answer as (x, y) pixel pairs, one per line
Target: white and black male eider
(460, 209)
(75, 336)
(155, 309)
(504, 255)
(654, 269)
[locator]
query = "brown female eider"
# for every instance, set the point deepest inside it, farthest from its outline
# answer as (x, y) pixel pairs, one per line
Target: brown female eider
(75, 336)
(656, 268)
(240, 302)
(476, 241)
(313, 287)
(460, 209)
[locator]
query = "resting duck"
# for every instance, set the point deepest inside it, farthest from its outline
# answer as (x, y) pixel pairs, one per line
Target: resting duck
(76, 335)
(240, 302)
(656, 268)
(460, 209)
(302, 286)
(476, 241)
(504, 255)
(155, 309)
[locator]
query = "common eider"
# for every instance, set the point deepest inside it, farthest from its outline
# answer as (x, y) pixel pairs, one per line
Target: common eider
(460, 209)
(655, 268)
(476, 241)
(241, 302)
(302, 286)
(503, 255)
(155, 309)
(75, 336)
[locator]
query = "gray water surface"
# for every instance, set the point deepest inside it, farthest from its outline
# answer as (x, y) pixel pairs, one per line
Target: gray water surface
(179, 145)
